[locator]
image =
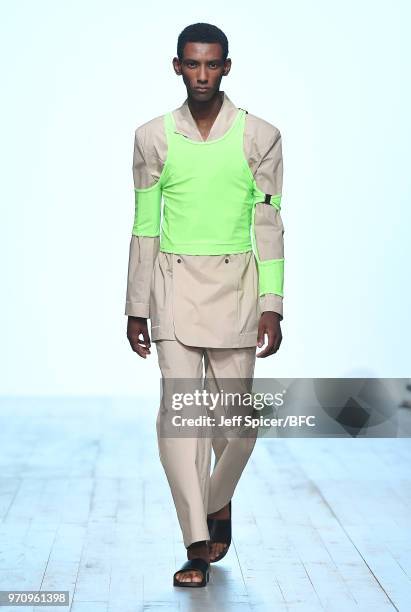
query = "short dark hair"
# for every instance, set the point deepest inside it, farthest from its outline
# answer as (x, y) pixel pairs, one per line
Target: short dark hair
(202, 32)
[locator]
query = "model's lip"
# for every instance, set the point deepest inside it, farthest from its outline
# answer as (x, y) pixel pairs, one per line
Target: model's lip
(201, 88)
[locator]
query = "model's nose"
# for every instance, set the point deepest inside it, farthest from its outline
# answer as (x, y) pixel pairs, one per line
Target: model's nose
(202, 79)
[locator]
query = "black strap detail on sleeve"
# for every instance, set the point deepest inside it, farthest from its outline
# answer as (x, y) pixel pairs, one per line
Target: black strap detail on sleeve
(267, 198)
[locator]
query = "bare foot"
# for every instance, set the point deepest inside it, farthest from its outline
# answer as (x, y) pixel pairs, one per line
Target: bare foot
(196, 549)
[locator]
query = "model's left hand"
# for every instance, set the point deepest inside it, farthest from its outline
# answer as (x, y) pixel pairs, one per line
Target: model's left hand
(269, 324)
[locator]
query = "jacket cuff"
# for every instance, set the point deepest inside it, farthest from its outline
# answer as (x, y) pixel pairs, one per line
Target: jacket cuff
(137, 309)
(271, 302)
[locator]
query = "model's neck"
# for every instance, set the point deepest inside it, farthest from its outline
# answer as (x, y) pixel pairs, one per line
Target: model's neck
(208, 109)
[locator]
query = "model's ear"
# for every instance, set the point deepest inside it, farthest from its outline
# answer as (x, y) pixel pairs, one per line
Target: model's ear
(227, 67)
(177, 65)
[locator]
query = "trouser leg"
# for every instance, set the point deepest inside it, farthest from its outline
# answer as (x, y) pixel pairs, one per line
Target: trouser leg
(232, 451)
(186, 460)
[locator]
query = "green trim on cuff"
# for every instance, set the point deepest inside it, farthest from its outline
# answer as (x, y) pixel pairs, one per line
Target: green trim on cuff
(147, 215)
(271, 276)
(270, 271)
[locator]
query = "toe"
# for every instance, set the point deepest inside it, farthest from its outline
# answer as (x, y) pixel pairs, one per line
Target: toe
(216, 549)
(189, 576)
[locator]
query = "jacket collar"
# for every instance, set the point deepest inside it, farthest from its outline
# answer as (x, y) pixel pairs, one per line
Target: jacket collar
(186, 125)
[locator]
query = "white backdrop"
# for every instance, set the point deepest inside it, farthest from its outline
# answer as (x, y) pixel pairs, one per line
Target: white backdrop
(78, 77)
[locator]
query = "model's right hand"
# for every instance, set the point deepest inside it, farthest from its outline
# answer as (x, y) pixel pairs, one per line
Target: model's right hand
(137, 326)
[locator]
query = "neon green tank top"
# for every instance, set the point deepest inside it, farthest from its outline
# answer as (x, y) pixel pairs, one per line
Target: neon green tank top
(209, 195)
(207, 189)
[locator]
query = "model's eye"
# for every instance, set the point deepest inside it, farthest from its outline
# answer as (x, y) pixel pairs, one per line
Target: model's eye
(213, 65)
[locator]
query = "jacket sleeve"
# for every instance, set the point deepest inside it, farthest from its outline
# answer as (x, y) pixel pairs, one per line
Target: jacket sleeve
(267, 226)
(145, 235)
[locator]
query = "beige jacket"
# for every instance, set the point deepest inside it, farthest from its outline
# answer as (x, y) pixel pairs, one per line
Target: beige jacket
(206, 300)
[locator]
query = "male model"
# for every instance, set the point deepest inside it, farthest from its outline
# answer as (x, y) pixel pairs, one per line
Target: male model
(207, 269)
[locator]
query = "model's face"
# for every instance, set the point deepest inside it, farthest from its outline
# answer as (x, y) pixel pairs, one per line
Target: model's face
(202, 67)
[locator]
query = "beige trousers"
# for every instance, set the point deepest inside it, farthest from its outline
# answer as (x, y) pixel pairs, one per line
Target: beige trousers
(187, 460)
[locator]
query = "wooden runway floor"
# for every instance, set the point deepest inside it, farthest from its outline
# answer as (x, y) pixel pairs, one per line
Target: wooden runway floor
(85, 506)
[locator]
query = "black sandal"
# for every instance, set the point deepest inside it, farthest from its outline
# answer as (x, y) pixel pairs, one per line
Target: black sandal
(193, 564)
(220, 531)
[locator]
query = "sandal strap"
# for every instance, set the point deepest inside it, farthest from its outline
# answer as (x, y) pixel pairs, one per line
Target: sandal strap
(221, 531)
(195, 564)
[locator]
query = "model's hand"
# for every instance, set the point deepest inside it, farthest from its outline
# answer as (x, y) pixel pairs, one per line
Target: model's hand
(269, 324)
(137, 326)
